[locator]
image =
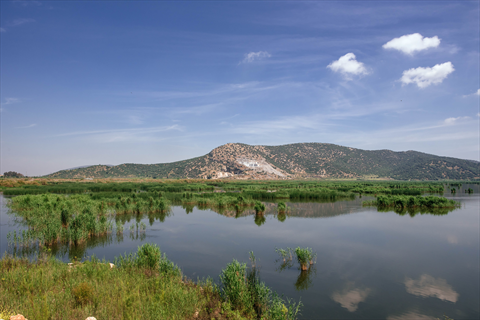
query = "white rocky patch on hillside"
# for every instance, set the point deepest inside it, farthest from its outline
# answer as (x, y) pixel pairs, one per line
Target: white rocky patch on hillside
(259, 165)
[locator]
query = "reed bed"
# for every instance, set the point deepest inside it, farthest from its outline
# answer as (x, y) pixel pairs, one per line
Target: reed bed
(401, 202)
(54, 219)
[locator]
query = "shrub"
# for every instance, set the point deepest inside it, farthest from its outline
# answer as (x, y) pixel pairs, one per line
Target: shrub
(234, 287)
(148, 256)
(83, 293)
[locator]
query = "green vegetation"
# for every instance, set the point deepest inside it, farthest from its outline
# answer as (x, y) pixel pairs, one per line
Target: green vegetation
(145, 285)
(244, 291)
(410, 202)
(259, 207)
(282, 207)
(305, 257)
(52, 219)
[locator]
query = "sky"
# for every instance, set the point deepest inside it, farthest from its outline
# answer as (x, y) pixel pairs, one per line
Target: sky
(111, 82)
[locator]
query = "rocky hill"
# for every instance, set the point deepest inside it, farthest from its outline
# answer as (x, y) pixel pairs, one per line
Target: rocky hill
(299, 160)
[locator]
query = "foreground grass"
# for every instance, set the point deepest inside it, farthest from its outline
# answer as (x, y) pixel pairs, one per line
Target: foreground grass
(141, 286)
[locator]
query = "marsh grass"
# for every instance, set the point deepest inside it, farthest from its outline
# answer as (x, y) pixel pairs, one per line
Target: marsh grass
(49, 289)
(142, 285)
(305, 257)
(71, 220)
(259, 207)
(242, 289)
(411, 202)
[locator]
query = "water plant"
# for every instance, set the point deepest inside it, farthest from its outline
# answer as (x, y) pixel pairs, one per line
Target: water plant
(305, 257)
(282, 207)
(284, 254)
(259, 207)
(243, 290)
(119, 227)
(412, 202)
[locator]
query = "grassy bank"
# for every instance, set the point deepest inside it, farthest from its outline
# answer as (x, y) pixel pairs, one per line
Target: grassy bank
(145, 285)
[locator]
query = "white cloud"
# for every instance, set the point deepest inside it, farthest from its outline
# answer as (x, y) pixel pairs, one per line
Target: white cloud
(428, 286)
(2, 30)
(412, 42)
(348, 65)
(252, 56)
(425, 77)
(455, 120)
(477, 93)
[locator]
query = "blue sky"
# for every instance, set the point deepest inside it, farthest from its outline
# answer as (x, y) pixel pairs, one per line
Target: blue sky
(114, 82)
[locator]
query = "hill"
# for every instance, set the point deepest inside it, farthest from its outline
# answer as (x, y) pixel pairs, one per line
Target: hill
(299, 160)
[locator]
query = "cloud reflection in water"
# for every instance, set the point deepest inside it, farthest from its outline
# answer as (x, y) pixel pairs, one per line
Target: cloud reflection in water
(350, 297)
(428, 286)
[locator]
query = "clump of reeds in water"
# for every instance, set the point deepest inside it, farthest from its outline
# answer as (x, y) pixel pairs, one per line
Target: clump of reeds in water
(242, 289)
(54, 219)
(282, 207)
(259, 207)
(305, 257)
(412, 202)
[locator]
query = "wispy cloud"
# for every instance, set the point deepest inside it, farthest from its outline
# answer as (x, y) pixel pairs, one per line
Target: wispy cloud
(122, 135)
(18, 22)
(10, 101)
(348, 66)
(3, 30)
(451, 121)
(473, 94)
(412, 43)
(25, 3)
(424, 77)
(29, 126)
(278, 125)
(255, 56)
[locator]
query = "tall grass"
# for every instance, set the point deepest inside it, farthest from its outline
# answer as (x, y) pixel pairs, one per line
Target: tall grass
(143, 285)
(244, 291)
(406, 202)
(54, 219)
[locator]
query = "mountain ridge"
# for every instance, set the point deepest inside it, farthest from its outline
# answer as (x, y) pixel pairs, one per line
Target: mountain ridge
(290, 161)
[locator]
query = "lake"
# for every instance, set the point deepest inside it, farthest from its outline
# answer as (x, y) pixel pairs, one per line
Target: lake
(375, 265)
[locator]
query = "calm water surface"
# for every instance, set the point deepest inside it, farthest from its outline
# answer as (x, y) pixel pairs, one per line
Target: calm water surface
(370, 265)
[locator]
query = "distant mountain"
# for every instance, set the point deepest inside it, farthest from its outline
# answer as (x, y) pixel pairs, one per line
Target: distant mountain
(298, 160)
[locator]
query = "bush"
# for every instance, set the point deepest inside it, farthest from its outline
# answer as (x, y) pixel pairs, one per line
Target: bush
(234, 288)
(148, 256)
(83, 293)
